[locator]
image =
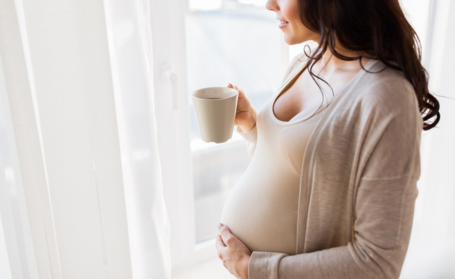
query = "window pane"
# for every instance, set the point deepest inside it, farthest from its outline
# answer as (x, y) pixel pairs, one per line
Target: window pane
(236, 42)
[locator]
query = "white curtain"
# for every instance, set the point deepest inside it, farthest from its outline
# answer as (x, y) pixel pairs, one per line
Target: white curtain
(431, 252)
(80, 186)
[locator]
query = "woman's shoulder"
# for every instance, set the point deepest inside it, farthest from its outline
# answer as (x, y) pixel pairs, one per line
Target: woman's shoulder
(298, 59)
(308, 48)
(385, 88)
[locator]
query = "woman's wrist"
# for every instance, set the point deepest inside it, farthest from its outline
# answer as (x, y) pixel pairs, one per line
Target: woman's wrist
(246, 262)
(242, 129)
(251, 124)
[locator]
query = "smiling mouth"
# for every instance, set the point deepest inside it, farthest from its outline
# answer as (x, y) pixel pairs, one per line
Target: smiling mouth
(283, 24)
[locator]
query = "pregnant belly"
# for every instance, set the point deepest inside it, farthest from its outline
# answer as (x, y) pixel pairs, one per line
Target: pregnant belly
(262, 212)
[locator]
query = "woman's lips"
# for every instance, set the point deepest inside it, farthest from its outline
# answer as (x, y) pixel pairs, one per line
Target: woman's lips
(283, 24)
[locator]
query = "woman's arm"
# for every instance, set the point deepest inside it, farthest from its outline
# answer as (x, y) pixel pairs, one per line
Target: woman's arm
(384, 209)
(251, 139)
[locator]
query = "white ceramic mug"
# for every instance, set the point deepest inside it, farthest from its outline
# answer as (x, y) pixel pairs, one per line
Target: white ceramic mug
(216, 108)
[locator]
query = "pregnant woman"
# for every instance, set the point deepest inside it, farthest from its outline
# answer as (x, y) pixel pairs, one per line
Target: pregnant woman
(331, 186)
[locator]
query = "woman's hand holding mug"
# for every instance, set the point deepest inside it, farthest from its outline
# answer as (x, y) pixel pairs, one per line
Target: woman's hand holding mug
(246, 115)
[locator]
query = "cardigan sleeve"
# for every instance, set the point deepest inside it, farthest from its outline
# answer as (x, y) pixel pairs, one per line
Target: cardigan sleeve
(384, 209)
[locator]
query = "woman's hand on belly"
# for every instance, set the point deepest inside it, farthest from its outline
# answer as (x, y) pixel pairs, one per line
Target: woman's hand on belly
(233, 252)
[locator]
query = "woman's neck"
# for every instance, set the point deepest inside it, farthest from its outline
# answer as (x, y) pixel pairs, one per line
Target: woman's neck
(329, 63)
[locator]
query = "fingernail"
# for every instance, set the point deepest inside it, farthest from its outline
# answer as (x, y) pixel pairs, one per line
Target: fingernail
(229, 84)
(219, 225)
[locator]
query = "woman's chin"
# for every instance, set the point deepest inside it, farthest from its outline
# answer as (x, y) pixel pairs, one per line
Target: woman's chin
(287, 40)
(290, 40)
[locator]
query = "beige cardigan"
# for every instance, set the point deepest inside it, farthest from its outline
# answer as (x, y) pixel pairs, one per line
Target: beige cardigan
(357, 186)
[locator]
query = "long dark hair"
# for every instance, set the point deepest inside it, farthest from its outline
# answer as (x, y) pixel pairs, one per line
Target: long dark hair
(379, 30)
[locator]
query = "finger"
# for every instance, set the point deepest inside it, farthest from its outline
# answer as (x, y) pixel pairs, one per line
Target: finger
(222, 241)
(226, 234)
(241, 92)
(219, 245)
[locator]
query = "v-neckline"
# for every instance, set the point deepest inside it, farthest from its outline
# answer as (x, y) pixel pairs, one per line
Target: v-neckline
(289, 80)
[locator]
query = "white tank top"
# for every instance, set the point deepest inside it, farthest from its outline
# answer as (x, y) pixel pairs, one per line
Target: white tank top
(261, 210)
